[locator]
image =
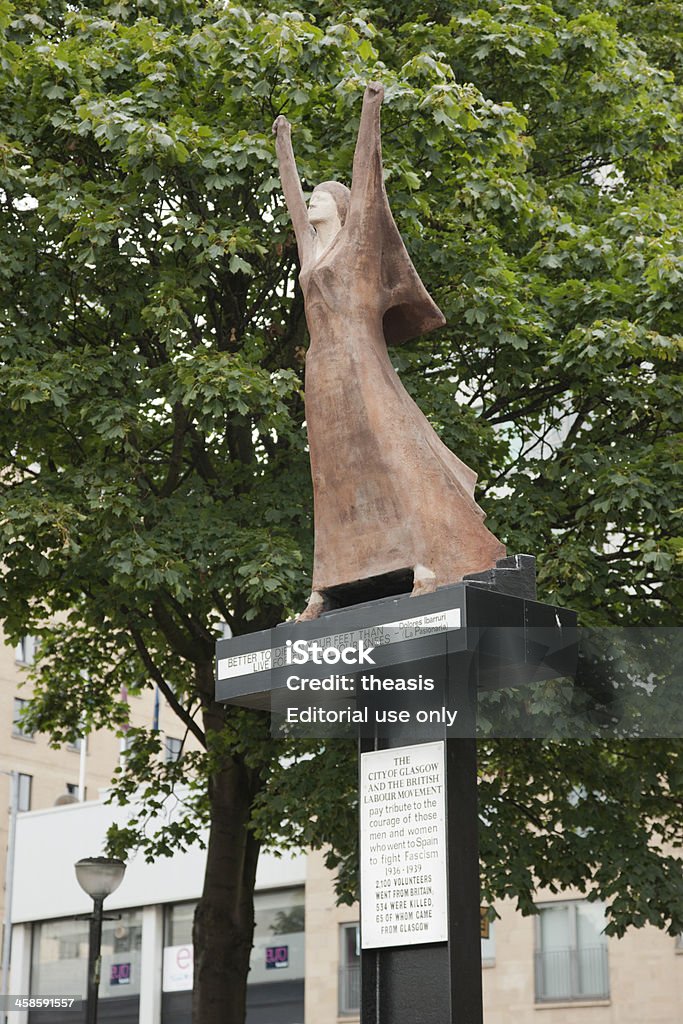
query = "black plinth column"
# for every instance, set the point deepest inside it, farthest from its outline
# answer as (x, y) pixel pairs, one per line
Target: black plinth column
(439, 983)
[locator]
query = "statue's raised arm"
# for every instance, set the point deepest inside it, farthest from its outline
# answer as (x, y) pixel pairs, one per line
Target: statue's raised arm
(291, 186)
(367, 188)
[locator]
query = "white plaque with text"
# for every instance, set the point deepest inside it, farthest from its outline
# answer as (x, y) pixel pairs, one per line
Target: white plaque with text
(403, 896)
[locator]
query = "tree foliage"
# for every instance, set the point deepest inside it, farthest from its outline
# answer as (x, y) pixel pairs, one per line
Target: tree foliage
(155, 478)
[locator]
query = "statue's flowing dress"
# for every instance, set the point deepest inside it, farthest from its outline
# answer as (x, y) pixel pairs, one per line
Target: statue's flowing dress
(388, 494)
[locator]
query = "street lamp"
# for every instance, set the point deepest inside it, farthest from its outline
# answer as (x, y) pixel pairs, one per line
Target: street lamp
(99, 877)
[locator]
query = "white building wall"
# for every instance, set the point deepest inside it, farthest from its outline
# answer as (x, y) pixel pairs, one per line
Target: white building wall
(49, 843)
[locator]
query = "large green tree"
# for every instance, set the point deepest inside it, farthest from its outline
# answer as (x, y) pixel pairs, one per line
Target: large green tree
(155, 478)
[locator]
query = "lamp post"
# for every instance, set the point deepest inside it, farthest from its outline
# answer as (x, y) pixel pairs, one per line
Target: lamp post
(99, 877)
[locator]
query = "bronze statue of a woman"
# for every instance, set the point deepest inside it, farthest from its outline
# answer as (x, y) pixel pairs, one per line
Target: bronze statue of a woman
(389, 497)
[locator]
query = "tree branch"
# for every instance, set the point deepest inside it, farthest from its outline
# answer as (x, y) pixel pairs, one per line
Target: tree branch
(223, 609)
(182, 644)
(168, 693)
(180, 420)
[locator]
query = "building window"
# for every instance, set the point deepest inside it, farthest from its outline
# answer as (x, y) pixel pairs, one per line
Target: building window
(24, 796)
(349, 970)
(25, 651)
(488, 939)
(178, 921)
(172, 748)
(178, 970)
(77, 744)
(18, 728)
(60, 957)
(278, 951)
(571, 952)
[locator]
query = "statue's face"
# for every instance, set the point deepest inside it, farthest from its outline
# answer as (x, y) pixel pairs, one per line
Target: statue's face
(322, 208)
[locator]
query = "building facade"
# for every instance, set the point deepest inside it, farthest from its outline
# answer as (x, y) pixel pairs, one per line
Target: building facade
(47, 774)
(44, 774)
(555, 968)
(146, 973)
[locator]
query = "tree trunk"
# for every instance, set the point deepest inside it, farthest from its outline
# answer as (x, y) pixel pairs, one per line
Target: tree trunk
(224, 920)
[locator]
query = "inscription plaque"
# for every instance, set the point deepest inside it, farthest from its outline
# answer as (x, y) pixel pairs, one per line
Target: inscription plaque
(403, 846)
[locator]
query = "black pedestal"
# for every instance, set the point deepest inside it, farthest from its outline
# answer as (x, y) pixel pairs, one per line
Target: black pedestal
(467, 638)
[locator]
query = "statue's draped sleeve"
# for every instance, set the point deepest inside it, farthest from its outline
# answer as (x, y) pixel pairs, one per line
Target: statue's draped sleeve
(409, 309)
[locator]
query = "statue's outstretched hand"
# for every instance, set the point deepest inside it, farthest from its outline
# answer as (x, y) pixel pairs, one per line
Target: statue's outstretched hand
(281, 124)
(375, 89)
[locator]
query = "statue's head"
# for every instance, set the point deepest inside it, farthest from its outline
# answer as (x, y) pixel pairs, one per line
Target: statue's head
(329, 202)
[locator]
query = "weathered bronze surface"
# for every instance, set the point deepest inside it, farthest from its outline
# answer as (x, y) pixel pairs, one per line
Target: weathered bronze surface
(389, 497)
